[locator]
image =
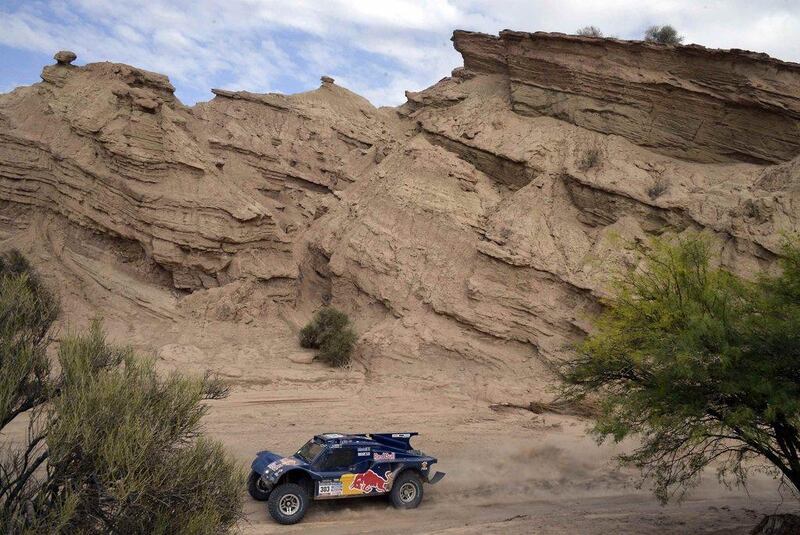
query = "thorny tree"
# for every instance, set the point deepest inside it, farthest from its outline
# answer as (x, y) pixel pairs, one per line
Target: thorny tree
(703, 366)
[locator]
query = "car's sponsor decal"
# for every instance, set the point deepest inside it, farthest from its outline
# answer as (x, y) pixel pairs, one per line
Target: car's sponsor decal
(355, 484)
(280, 463)
(401, 435)
(367, 483)
(329, 487)
(424, 465)
(386, 456)
(363, 454)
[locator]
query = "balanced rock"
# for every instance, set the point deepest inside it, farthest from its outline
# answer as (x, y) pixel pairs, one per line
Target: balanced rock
(65, 57)
(327, 80)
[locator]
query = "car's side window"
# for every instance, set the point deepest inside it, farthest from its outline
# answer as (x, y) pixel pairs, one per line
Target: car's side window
(339, 459)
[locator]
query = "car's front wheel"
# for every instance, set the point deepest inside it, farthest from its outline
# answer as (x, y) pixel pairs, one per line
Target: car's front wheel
(407, 490)
(288, 503)
(256, 487)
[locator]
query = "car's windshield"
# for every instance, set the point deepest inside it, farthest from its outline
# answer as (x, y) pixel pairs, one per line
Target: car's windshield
(310, 451)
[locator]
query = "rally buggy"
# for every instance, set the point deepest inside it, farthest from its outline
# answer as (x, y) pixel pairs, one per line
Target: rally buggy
(333, 465)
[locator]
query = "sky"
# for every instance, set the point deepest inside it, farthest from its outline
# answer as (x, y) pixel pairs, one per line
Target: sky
(378, 49)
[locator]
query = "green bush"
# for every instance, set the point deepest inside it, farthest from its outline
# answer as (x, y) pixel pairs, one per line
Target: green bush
(665, 35)
(331, 333)
(337, 348)
(700, 365)
(128, 443)
(27, 310)
(308, 337)
(111, 447)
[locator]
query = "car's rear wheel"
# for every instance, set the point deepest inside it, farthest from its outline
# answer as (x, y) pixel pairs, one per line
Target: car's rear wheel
(256, 487)
(407, 490)
(288, 503)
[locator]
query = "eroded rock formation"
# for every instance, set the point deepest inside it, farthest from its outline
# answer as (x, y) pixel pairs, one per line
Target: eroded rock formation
(471, 232)
(212, 193)
(688, 101)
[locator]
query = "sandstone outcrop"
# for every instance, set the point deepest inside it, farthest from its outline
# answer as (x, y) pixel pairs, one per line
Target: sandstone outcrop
(687, 101)
(471, 233)
(211, 193)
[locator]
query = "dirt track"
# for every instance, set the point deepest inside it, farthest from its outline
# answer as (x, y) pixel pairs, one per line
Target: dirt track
(508, 472)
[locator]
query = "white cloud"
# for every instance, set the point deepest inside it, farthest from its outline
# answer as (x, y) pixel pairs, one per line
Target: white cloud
(380, 48)
(128, 34)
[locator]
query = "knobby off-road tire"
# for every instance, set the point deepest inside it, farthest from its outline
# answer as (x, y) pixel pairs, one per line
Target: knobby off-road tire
(288, 503)
(406, 491)
(256, 488)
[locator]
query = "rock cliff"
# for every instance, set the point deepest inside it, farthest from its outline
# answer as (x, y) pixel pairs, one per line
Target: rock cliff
(687, 101)
(211, 193)
(471, 232)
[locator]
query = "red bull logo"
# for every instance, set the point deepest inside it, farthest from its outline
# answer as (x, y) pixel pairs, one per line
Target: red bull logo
(369, 481)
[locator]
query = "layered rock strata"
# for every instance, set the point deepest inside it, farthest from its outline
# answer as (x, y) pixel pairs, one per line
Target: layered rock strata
(471, 233)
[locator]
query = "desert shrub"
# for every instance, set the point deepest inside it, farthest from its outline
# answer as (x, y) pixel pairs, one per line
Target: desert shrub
(337, 348)
(665, 35)
(590, 159)
(701, 366)
(331, 333)
(659, 187)
(326, 321)
(27, 311)
(590, 31)
(126, 444)
(308, 336)
(111, 447)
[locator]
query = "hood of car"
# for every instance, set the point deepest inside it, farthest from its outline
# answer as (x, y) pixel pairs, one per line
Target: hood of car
(267, 462)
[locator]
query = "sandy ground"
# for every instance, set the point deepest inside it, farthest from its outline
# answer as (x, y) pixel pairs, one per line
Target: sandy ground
(507, 472)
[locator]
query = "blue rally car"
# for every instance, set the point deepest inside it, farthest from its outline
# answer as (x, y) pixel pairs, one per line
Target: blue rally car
(333, 465)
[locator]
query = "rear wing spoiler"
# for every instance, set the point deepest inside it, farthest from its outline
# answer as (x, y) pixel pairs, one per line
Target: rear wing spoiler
(394, 440)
